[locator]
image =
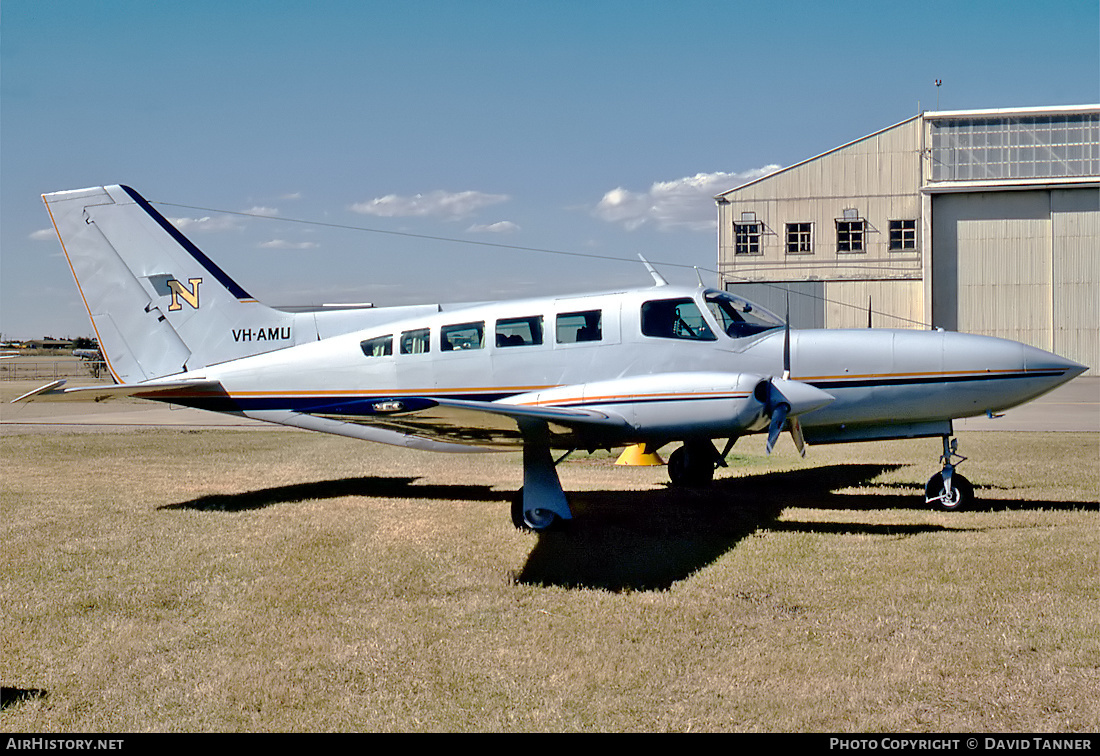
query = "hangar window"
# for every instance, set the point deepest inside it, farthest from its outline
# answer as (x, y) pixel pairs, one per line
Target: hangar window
(519, 331)
(800, 238)
(416, 342)
(903, 235)
(462, 336)
(746, 238)
(675, 319)
(380, 346)
(575, 327)
(849, 235)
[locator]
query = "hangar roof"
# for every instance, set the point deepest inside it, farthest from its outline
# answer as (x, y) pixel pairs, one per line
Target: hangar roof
(971, 158)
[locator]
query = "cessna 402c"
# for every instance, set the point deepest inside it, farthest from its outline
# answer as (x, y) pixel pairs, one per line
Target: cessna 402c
(653, 366)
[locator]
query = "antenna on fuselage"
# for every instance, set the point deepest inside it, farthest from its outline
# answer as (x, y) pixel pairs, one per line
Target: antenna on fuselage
(658, 279)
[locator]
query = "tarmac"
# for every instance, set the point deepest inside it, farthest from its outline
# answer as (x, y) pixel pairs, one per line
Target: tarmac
(1072, 407)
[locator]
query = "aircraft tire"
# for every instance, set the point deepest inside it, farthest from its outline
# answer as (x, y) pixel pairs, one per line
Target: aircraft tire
(686, 469)
(536, 521)
(962, 493)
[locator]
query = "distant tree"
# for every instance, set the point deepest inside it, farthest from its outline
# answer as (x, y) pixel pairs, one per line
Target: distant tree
(84, 342)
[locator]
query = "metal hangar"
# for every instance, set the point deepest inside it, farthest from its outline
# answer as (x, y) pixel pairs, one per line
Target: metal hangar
(984, 221)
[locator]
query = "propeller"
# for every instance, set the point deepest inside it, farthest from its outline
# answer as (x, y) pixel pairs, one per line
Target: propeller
(785, 399)
(779, 417)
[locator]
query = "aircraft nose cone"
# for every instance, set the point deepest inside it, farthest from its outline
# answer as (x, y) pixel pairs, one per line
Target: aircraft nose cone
(1040, 360)
(1002, 373)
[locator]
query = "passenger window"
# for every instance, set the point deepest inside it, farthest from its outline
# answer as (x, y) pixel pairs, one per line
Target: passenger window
(575, 327)
(416, 342)
(381, 346)
(519, 331)
(675, 319)
(462, 336)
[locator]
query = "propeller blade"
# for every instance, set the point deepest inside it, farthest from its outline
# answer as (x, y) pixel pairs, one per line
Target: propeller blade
(779, 416)
(786, 401)
(796, 435)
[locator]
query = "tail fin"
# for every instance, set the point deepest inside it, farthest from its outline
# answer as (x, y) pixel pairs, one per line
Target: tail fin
(159, 306)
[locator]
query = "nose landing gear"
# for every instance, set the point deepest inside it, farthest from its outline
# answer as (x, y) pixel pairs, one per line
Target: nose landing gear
(947, 490)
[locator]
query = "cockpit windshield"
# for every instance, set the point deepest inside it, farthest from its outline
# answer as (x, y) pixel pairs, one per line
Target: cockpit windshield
(740, 317)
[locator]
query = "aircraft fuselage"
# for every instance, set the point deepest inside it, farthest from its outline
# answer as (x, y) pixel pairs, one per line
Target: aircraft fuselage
(883, 383)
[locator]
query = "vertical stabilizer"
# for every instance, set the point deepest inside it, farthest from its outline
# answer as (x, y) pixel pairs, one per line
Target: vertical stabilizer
(159, 306)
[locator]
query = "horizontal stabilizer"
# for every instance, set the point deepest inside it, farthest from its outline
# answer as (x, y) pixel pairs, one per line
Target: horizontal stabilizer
(173, 392)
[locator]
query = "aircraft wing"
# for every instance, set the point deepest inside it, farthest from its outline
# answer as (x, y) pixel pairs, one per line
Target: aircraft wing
(442, 422)
(592, 415)
(598, 414)
(479, 423)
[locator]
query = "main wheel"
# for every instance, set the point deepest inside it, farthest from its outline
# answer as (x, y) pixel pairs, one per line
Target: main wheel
(537, 520)
(962, 493)
(688, 467)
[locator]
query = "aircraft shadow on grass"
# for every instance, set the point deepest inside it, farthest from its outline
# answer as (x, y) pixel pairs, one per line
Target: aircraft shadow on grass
(648, 540)
(10, 696)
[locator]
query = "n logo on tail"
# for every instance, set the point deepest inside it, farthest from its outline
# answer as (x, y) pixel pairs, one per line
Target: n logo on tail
(191, 296)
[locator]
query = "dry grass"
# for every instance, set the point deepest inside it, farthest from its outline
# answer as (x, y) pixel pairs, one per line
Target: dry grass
(238, 581)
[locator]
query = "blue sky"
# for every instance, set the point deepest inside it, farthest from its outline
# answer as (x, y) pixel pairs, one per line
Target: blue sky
(602, 127)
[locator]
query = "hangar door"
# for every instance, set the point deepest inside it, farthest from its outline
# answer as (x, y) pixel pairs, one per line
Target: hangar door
(807, 299)
(1076, 227)
(1020, 265)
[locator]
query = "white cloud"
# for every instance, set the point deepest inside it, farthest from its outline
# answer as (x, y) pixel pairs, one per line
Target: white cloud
(284, 244)
(207, 224)
(261, 210)
(439, 204)
(685, 203)
(501, 227)
(45, 234)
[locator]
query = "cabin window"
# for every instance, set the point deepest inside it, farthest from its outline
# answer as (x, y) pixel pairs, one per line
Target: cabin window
(519, 331)
(416, 342)
(380, 346)
(576, 327)
(462, 336)
(675, 319)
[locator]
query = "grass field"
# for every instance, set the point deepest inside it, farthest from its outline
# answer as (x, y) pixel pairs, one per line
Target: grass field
(226, 580)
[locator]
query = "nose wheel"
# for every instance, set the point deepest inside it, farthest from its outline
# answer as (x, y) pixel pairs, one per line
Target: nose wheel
(947, 490)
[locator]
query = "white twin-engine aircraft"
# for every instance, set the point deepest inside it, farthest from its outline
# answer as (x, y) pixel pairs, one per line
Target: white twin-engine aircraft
(652, 366)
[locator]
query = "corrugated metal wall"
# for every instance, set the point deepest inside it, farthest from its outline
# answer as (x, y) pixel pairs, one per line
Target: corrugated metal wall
(1020, 265)
(1076, 229)
(893, 304)
(876, 176)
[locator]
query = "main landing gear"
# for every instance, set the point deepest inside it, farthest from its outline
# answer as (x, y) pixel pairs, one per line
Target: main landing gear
(693, 464)
(947, 490)
(540, 505)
